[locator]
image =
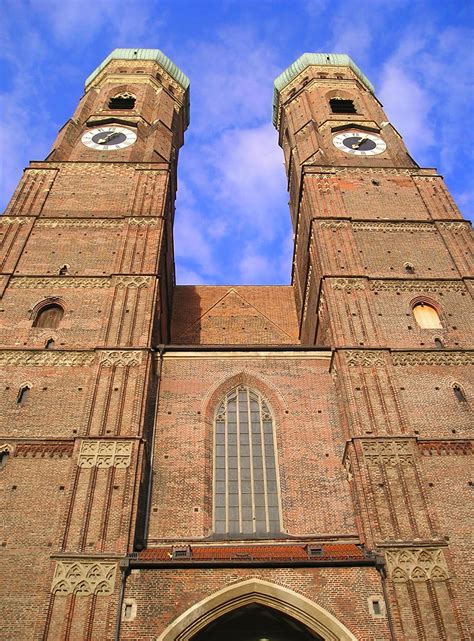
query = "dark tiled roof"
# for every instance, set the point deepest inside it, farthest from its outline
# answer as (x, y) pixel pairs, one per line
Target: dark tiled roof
(335, 552)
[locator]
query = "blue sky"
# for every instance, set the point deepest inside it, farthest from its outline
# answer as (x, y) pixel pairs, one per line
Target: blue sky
(232, 219)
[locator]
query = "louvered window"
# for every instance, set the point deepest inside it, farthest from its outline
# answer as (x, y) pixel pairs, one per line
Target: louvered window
(246, 492)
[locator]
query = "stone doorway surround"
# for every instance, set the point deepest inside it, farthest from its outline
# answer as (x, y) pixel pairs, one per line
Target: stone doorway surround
(264, 593)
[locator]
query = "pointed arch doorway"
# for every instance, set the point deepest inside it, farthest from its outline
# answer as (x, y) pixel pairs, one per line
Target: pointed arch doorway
(271, 604)
(256, 622)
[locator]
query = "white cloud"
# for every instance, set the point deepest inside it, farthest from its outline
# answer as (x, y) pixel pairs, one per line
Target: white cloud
(247, 175)
(406, 103)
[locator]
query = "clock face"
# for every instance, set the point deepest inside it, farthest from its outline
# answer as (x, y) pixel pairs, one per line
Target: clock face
(109, 138)
(359, 143)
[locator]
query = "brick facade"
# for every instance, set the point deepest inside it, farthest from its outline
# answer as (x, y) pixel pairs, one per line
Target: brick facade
(107, 463)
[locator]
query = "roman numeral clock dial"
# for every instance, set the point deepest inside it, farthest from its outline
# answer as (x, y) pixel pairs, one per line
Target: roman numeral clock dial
(109, 138)
(359, 143)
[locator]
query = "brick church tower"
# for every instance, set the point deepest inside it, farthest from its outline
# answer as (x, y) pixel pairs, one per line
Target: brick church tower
(193, 463)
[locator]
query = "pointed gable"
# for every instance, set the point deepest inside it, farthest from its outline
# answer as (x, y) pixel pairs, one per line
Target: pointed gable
(234, 316)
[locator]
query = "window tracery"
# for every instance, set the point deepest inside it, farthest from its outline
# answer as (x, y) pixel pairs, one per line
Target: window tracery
(246, 493)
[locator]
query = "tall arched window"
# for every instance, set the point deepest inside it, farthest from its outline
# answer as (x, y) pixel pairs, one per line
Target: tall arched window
(49, 316)
(426, 316)
(246, 496)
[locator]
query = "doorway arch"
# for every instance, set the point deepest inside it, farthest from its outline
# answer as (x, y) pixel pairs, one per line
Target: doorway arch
(256, 591)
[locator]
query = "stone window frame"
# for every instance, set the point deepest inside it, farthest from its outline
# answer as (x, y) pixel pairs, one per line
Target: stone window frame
(372, 600)
(258, 487)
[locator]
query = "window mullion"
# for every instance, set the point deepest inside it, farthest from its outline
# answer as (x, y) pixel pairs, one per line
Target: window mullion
(264, 465)
(252, 475)
(226, 466)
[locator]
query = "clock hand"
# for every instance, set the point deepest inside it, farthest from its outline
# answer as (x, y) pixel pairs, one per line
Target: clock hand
(107, 138)
(358, 144)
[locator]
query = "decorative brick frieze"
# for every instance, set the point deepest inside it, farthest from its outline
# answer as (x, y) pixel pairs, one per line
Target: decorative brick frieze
(385, 452)
(134, 282)
(104, 454)
(339, 224)
(143, 222)
(417, 286)
(393, 227)
(455, 225)
(445, 448)
(100, 223)
(69, 282)
(364, 358)
(432, 358)
(45, 449)
(46, 358)
(348, 284)
(416, 564)
(12, 220)
(83, 578)
(120, 358)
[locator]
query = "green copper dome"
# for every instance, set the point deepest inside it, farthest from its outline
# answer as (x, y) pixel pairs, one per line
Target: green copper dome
(306, 60)
(146, 54)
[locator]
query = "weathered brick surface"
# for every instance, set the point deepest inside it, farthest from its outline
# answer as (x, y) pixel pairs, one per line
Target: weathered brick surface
(309, 443)
(180, 589)
(232, 315)
(372, 442)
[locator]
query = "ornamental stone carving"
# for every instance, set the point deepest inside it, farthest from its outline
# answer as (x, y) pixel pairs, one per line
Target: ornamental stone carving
(84, 578)
(348, 284)
(120, 358)
(394, 227)
(79, 222)
(46, 358)
(417, 286)
(10, 220)
(364, 358)
(143, 222)
(416, 564)
(387, 452)
(105, 454)
(455, 224)
(70, 282)
(134, 282)
(432, 358)
(340, 224)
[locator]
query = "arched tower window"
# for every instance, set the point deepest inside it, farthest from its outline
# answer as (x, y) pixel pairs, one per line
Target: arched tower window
(23, 394)
(459, 393)
(426, 316)
(49, 316)
(125, 100)
(246, 497)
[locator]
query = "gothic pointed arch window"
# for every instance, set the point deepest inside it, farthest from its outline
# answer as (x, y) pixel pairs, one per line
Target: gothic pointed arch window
(49, 316)
(246, 488)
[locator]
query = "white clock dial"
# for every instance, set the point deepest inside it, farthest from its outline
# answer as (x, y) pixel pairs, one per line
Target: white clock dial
(109, 138)
(359, 143)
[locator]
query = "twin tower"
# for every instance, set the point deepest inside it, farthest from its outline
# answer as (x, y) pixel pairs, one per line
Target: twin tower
(196, 463)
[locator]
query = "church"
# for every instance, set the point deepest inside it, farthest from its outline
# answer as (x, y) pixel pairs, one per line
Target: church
(250, 463)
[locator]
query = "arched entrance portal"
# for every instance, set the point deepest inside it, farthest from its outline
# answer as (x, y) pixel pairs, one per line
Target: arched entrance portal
(270, 601)
(256, 623)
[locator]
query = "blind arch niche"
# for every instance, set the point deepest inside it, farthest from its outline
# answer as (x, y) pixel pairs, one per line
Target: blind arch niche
(246, 486)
